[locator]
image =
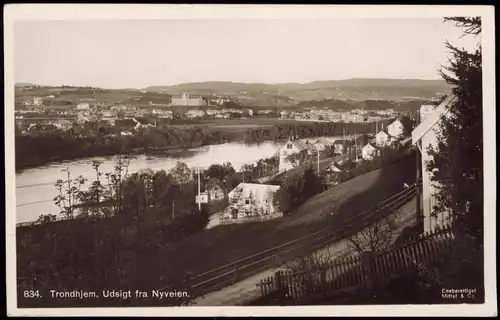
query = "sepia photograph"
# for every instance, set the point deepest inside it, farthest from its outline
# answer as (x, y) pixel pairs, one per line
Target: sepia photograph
(250, 160)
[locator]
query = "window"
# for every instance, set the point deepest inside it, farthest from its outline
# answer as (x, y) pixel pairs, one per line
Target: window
(289, 146)
(247, 201)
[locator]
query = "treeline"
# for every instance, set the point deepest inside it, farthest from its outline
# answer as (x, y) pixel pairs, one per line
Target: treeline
(56, 145)
(310, 130)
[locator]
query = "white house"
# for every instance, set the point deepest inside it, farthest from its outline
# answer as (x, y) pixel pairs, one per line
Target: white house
(213, 112)
(396, 129)
(142, 124)
(63, 124)
(215, 192)
(83, 106)
(368, 152)
(286, 114)
(264, 111)
(195, 113)
(37, 101)
(290, 148)
(423, 136)
(250, 199)
(321, 144)
(425, 110)
(82, 118)
(160, 113)
(341, 146)
(232, 111)
(382, 139)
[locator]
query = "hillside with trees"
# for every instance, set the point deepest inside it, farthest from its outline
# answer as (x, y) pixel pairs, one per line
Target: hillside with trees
(356, 89)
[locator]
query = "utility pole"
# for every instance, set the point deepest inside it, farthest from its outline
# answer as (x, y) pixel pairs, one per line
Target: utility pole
(146, 186)
(173, 209)
(199, 191)
(318, 161)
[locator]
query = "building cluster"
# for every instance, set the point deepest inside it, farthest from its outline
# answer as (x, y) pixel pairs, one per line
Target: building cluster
(395, 135)
(254, 200)
(357, 115)
(45, 112)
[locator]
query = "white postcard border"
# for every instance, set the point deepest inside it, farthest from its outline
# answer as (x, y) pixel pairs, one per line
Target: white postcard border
(15, 12)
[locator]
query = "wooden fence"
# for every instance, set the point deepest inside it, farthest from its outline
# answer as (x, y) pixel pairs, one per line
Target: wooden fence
(357, 271)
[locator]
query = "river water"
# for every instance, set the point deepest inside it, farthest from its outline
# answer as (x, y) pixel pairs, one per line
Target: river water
(35, 188)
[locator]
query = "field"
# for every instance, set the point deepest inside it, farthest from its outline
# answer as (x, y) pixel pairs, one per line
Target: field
(236, 125)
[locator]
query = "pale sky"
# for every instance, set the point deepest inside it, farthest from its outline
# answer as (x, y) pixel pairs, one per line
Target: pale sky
(141, 53)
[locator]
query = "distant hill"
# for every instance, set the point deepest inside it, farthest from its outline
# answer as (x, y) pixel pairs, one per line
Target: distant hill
(335, 94)
(353, 89)
(25, 84)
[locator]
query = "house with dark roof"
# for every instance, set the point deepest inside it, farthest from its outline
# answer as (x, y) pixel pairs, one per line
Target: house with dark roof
(293, 152)
(341, 146)
(400, 128)
(334, 173)
(383, 138)
(321, 144)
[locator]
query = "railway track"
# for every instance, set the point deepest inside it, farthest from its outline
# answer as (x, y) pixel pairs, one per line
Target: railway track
(236, 271)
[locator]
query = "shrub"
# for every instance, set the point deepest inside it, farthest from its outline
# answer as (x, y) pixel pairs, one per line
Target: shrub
(297, 189)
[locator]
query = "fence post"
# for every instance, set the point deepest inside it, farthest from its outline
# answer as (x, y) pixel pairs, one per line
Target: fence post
(278, 284)
(367, 267)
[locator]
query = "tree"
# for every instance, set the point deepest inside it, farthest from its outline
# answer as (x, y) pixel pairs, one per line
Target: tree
(312, 269)
(115, 182)
(248, 171)
(18, 130)
(46, 218)
(219, 171)
(458, 157)
(134, 196)
(297, 189)
(181, 173)
(457, 164)
(377, 237)
(70, 194)
(161, 189)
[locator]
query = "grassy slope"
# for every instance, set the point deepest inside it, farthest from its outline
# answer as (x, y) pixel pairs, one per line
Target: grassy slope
(224, 244)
